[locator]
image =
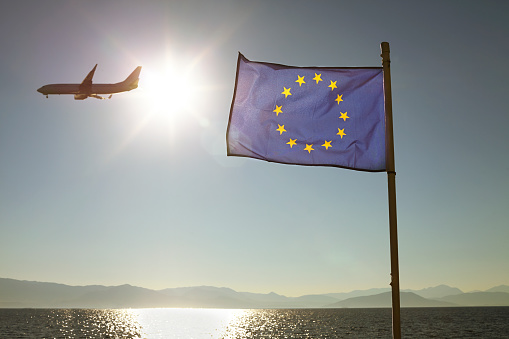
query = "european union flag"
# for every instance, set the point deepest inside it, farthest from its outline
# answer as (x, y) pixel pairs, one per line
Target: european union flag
(316, 116)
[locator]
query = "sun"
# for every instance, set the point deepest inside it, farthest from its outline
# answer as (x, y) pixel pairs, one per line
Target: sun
(169, 90)
(171, 100)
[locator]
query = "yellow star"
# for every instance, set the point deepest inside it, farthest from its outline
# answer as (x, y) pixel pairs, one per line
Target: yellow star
(309, 148)
(327, 144)
(278, 110)
(318, 77)
(341, 132)
(344, 116)
(300, 80)
(291, 142)
(281, 129)
(332, 85)
(286, 92)
(339, 98)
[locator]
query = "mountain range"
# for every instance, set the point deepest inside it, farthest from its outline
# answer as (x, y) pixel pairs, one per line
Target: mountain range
(32, 294)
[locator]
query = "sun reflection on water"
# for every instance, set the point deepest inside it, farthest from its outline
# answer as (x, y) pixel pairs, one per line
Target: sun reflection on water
(185, 322)
(454, 322)
(91, 323)
(268, 324)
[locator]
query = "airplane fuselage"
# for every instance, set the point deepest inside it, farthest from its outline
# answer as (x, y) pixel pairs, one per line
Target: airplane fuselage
(87, 89)
(75, 88)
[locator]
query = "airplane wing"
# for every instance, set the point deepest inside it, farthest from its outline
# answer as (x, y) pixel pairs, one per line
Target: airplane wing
(86, 85)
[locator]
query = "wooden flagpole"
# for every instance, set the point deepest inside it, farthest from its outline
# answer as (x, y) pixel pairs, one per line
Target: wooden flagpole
(391, 180)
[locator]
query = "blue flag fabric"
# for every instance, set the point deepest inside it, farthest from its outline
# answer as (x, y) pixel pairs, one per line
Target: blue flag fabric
(314, 116)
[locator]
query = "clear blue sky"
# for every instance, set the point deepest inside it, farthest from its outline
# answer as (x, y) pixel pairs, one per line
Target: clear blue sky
(138, 189)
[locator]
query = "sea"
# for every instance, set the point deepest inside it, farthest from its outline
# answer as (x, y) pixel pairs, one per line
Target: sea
(456, 322)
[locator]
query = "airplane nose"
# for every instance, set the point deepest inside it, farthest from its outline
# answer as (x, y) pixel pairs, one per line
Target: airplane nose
(39, 90)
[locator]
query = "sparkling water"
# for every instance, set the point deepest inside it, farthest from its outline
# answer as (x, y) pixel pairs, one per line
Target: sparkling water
(457, 322)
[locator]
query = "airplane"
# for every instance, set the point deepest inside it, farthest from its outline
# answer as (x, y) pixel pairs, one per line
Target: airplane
(86, 89)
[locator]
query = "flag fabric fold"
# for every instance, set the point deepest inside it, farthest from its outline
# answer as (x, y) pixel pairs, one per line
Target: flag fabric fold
(317, 116)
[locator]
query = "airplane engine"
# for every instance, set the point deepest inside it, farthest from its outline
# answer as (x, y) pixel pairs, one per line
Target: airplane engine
(80, 96)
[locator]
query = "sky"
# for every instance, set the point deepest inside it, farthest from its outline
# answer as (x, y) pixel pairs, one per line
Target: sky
(138, 189)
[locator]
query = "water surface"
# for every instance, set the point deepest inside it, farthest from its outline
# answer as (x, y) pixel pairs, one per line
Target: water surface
(458, 322)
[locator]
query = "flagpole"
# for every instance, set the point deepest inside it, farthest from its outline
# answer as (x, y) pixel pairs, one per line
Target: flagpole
(391, 181)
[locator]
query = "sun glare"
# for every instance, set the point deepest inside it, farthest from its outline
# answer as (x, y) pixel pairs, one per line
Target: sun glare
(169, 90)
(172, 99)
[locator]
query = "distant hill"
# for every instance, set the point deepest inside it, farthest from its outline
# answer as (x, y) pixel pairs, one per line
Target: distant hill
(24, 294)
(208, 296)
(436, 292)
(407, 299)
(501, 288)
(358, 293)
(18, 294)
(39, 294)
(124, 296)
(479, 299)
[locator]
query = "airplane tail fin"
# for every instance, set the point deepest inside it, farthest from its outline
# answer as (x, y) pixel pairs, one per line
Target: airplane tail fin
(132, 79)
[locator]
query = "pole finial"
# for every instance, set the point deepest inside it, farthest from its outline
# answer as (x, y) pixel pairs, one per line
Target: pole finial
(384, 46)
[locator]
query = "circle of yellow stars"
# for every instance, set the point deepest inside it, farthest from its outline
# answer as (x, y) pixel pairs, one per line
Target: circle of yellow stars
(287, 92)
